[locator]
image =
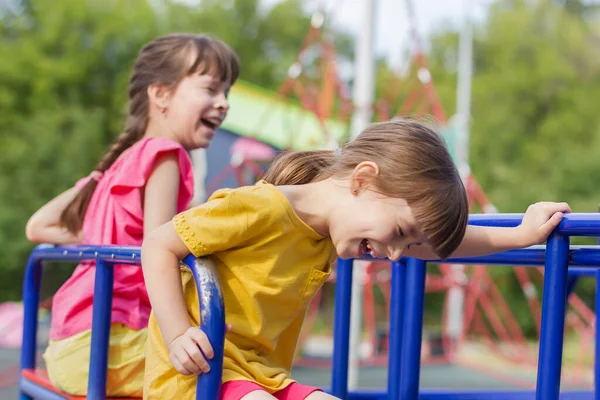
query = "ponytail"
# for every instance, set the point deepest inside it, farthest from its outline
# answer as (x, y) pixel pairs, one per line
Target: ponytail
(73, 215)
(300, 167)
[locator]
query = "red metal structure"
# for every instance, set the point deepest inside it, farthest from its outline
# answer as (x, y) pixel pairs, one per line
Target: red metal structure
(314, 82)
(486, 315)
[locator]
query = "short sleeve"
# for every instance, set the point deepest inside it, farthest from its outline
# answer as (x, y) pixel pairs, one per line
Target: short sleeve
(138, 164)
(219, 224)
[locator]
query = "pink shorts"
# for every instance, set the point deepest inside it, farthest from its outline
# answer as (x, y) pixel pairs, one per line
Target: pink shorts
(235, 390)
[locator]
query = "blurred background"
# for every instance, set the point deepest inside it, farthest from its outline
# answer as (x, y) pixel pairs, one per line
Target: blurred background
(514, 86)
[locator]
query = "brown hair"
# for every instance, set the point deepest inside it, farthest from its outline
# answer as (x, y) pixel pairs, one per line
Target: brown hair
(414, 164)
(165, 61)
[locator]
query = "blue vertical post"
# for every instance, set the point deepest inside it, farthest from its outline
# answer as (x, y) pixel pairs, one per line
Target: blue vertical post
(412, 328)
(341, 328)
(31, 300)
(102, 309)
(396, 318)
(554, 302)
(212, 322)
(597, 345)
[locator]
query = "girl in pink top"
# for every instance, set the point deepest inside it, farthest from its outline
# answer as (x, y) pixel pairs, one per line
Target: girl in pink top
(177, 101)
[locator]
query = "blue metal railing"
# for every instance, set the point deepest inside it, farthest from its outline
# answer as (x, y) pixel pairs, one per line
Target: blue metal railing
(406, 312)
(209, 294)
(408, 290)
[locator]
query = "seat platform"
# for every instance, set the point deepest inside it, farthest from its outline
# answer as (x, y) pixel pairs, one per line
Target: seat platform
(39, 378)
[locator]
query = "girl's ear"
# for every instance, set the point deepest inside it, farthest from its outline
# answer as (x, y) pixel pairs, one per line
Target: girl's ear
(159, 96)
(363, 176)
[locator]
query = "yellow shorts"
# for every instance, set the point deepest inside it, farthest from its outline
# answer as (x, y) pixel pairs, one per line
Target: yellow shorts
(68, 360)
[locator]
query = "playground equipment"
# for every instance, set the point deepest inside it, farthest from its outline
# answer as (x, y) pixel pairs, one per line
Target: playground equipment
(34, 383)
(408, 288)
(473, 304)
(406, 315)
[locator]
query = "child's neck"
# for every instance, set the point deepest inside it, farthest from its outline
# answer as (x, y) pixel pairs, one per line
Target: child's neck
(154, 129)
(313, 202)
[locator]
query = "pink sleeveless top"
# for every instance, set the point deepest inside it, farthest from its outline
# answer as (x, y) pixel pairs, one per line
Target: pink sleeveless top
(115, 216)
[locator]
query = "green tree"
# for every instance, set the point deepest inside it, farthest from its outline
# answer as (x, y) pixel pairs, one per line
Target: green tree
(64, 69)
(535, 129)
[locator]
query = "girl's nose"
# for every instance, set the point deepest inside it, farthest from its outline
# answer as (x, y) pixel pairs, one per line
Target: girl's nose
(222, 103)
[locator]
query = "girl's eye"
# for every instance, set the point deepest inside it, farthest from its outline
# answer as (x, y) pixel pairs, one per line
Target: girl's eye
(400, 233)
(210, 89)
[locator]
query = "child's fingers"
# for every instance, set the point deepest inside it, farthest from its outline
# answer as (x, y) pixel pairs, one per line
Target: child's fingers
(228, 328)
(179, 365)
(561, 207)
(552, 223)
(556, 207)
(202, 341)
(567, 208)
(196, 361)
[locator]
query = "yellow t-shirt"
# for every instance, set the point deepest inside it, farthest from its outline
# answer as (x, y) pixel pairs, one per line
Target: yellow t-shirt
(270, 265)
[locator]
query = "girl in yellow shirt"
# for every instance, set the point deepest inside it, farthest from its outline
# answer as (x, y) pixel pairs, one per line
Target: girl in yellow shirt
(393, 190)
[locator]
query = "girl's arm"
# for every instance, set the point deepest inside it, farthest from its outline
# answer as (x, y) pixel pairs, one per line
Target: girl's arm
(160, 205)
(538, 222)
(161, 192)
(44, 226)
(161, 251)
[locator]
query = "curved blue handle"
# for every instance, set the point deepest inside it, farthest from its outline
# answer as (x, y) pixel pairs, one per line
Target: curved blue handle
(212, 316)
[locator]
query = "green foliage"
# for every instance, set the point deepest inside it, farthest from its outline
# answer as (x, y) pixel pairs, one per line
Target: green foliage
(63, 88)
(535, 129)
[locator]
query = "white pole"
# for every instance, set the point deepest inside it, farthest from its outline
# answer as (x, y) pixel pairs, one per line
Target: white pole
(463, 115)
(200, 171)
(362, 93)
(463, 93)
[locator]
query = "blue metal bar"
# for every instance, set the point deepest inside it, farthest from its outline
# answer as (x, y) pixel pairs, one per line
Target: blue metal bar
(412, 328)
(574, 224)
(212, 322)
(597, 347)
(211, 310)
(579, 272)
(367, 395)
(101, 317)
(75, 253)
(597, 338)
(583, 256)
(396, 327)
(341, 328)
(31, 299)
(453, 394)
(37, 392)
(456, 394)
(553, 318)
(532, 256)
